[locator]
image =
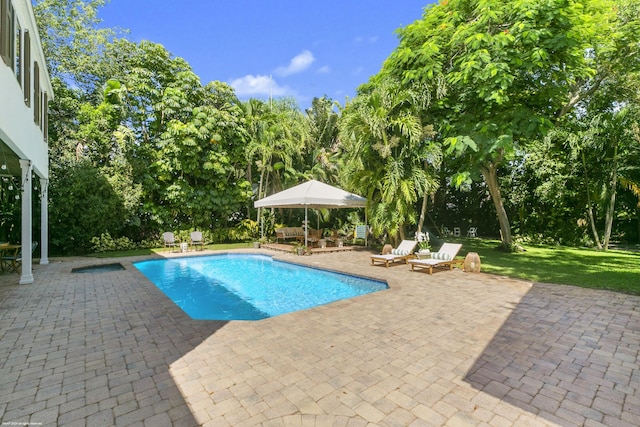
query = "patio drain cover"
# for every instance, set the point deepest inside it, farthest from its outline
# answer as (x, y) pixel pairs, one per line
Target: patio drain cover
(98, 268)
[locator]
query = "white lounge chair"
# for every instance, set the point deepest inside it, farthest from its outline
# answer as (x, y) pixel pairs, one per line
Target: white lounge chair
(445, 257)
(402, 253)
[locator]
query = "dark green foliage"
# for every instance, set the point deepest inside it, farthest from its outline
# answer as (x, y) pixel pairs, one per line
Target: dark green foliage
(83, 204)
(9, 210)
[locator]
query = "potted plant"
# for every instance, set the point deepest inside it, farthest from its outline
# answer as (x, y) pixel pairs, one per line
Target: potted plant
(257, 243)
(300, 249)
(424, 247)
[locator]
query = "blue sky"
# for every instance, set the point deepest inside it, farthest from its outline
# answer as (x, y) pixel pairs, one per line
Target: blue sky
(298, 48)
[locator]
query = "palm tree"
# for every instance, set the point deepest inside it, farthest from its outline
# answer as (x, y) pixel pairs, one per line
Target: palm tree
(386, 148)
(277, 137)
(321, 155)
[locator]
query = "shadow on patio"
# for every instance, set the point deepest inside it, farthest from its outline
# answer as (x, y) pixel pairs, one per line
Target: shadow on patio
(94, 348)
(568, 356)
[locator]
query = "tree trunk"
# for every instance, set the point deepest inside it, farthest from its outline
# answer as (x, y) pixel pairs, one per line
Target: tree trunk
(612, 200)
(490, 174)
(260, 196)
(250, 179)
(423, 211)
(592, 222)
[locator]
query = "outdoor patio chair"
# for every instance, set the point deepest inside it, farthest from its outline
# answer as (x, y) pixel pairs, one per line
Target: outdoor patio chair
(169, 240)
(445, 257)
(472, 232)
(313, 236)
(456, 231)
(196, 240)
(402, 253)
(13, 262)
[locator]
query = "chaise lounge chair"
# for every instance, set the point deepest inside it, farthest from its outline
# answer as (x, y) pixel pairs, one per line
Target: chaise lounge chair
(402, 253)
(445, 257)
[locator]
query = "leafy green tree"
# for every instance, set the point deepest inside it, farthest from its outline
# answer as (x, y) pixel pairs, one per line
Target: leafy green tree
(608, 155)
(73, 40)
(180, 143)
(199, 177)
(544, 191)
(511, 68)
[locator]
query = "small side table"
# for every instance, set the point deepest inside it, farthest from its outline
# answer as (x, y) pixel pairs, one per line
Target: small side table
(423, 255)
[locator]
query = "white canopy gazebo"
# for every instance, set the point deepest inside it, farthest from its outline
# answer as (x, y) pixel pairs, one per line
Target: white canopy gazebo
(312, 194)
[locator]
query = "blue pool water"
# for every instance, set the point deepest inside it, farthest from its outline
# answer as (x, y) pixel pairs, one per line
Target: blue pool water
(249, 287)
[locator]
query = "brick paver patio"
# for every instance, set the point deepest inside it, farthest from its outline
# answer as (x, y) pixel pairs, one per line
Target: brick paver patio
(458, 349)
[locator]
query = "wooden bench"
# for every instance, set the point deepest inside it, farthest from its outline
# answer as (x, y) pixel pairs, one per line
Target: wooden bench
(287, 233)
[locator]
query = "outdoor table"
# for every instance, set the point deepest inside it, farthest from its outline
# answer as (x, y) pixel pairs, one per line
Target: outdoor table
(423, 255)
(8, 250)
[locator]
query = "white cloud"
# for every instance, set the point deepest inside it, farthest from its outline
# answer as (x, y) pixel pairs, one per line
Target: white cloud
(298, 63)
(251, 85)
(324, 70)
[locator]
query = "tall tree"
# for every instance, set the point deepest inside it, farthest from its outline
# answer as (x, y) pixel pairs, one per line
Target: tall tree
(72, 39)
(512, 68)
(198, 167)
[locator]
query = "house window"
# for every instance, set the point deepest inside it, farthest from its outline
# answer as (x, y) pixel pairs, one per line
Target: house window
(45, 116)
(18, 53)
(7, 33)
(43, 107)
(36, 93)
(26, 68)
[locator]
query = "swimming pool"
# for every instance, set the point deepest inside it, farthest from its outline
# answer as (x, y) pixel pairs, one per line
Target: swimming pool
(249, 287)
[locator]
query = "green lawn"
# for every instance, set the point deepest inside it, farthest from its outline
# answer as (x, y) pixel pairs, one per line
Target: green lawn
(614, 270)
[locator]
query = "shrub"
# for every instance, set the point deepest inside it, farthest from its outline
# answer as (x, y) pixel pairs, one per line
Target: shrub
(106, 243)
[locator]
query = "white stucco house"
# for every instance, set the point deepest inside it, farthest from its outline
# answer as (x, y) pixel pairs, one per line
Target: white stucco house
(25, 89)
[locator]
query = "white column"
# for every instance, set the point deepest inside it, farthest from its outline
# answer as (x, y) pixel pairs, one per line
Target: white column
(27, 222)
(44, 221)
